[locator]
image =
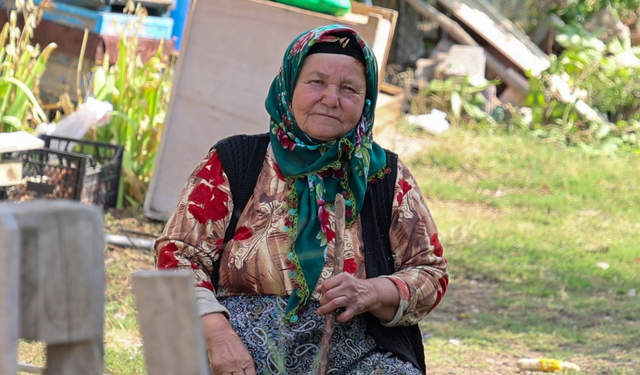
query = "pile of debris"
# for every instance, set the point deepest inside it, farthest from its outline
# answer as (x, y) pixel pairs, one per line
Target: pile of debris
(476, 40)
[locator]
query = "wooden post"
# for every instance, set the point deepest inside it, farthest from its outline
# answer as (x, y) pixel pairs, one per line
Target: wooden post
(62, 282)
(169, 322)
(9, 297)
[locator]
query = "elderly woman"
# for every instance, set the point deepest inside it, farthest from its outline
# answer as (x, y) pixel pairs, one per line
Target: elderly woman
(255, 223)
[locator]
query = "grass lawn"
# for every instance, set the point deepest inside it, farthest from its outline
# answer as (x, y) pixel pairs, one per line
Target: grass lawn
(544, 250)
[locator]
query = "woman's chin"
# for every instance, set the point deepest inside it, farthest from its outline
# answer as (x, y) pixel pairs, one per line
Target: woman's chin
(324, 136)
(325, 132)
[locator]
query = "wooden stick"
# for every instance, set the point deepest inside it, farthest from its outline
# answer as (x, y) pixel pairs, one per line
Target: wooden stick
(330, 320)
(31, 369)
(79, 71)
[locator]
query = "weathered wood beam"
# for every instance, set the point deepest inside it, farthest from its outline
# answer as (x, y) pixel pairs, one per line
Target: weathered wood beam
(61, 281)
(9, 293)
(169, 323)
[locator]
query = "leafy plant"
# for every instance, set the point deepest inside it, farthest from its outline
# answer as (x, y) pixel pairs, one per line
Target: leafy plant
(604, 77)
(139, 92)
(578, 11)
(460, 97)
(21, 66)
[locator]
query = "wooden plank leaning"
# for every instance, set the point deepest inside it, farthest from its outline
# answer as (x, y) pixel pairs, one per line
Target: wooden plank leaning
(61, 282)
(9, 293)
(169, 322)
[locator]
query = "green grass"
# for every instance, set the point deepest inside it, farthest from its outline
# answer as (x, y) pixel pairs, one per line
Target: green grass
(524, 225)
(532, 221)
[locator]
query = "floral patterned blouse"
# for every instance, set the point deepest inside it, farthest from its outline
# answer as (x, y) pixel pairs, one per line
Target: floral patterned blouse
(255, 262)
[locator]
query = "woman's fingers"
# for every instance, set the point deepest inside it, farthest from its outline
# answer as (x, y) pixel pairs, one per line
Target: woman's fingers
(334, 304)
(251, 370)
(344, 291)
(333, 282)
(227, 353)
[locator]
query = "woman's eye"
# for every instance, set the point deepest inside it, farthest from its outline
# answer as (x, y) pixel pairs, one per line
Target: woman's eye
(348, 88)
(317, 81)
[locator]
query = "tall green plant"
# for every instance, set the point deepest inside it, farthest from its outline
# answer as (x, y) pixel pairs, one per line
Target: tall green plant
(21, 66)
(139, 92)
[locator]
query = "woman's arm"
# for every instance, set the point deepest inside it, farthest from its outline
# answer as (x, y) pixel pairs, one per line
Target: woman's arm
(421, 270)
(193, 236)
(193, 240)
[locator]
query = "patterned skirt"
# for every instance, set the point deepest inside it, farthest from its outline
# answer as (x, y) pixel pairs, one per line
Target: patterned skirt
(282, 348)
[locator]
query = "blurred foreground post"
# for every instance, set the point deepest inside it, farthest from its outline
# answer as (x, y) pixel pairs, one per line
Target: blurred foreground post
(169, 322)
(52, 284)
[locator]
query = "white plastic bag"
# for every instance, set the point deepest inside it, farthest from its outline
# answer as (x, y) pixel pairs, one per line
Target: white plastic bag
(91, 113)
(435, 122)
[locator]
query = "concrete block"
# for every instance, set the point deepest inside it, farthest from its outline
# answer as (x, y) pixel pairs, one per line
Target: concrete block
(463, 61)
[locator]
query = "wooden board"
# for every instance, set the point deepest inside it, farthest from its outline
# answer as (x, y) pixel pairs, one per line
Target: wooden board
(169, 323)
(388, 112)
(231, 52)
(19, 141)
(84, 357)
(61, 270)
(490, 24)
(9, 293)
(381, 45)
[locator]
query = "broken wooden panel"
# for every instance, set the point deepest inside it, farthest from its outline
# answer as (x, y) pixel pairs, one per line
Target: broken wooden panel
(231, 52)
(387, 116)
(484, 19)
(54, 282)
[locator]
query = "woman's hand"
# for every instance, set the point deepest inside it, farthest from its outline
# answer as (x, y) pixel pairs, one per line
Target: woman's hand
(227, 353)
(378, 296)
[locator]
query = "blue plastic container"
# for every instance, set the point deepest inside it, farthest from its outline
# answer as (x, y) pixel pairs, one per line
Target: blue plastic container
(179, 14)
(105, 23)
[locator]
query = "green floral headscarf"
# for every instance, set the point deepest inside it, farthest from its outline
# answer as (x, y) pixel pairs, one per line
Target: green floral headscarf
(316, 172)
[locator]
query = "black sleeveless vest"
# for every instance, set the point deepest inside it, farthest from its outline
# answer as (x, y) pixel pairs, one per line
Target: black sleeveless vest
(242, 157)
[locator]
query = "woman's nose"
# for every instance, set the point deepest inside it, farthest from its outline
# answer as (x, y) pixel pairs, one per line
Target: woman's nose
(331, 97)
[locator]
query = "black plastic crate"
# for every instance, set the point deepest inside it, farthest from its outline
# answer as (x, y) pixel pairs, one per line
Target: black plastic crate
(72, 169)
(103, 168)
(49, 174)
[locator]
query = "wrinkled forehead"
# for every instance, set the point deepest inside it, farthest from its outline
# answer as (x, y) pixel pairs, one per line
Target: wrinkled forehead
(335, 38)
(333, 66)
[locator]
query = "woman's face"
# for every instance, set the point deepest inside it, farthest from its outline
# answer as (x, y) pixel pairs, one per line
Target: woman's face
(329, 95)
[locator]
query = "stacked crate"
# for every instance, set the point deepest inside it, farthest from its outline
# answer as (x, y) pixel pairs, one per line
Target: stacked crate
(106, 17)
